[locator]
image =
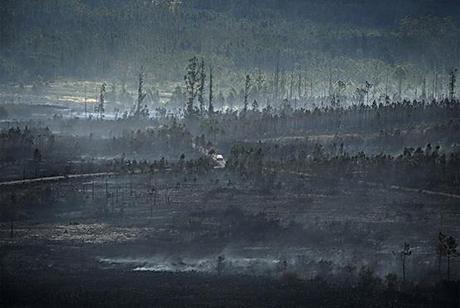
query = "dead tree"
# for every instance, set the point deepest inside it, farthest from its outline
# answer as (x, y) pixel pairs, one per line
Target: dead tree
(10, 211)
(220, 264)
(201, 86)
(140, 94)
(101, 106)
(191, 84)
(276, 78)
(448, 249)
(452, 81)
(247, 87)
(153, 199)
(211, 94)
(404, 253)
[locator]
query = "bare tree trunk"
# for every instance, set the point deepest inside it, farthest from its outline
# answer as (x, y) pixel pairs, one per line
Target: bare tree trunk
(439, 265)
(436, 85)
(92, 191)
(448, 268)
(404, 267)
(151, 209)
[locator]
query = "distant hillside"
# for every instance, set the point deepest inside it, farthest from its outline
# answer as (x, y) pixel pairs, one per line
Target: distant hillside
(352, 40)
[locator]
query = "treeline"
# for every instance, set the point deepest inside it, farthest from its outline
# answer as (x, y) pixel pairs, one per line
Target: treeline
(18, 144)
(422, 168)
(322, 40)
(363, 119)
(40, 144)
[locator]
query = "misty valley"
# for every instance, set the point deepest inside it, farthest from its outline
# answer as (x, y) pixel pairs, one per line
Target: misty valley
(229, 153)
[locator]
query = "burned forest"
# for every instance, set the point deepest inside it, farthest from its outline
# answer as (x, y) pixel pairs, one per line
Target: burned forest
(229, 153)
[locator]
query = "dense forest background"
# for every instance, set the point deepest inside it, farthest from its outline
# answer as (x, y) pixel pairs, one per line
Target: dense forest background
(410, 44)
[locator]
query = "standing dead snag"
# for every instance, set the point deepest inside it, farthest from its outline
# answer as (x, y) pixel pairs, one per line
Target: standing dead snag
(447, 248)
(37, 159)
(220, 264)
(247, 87)
(140, 95)
(10, 212)
(92, 190)
(100, 107)
(211, 94)
(452, 81)
(201, 87)
(276, 78)
(404, 253)
(191, 84)
(153, 199)
(107, 196)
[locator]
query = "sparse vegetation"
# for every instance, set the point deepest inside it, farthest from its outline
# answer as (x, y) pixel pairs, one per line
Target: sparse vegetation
(229, 153)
